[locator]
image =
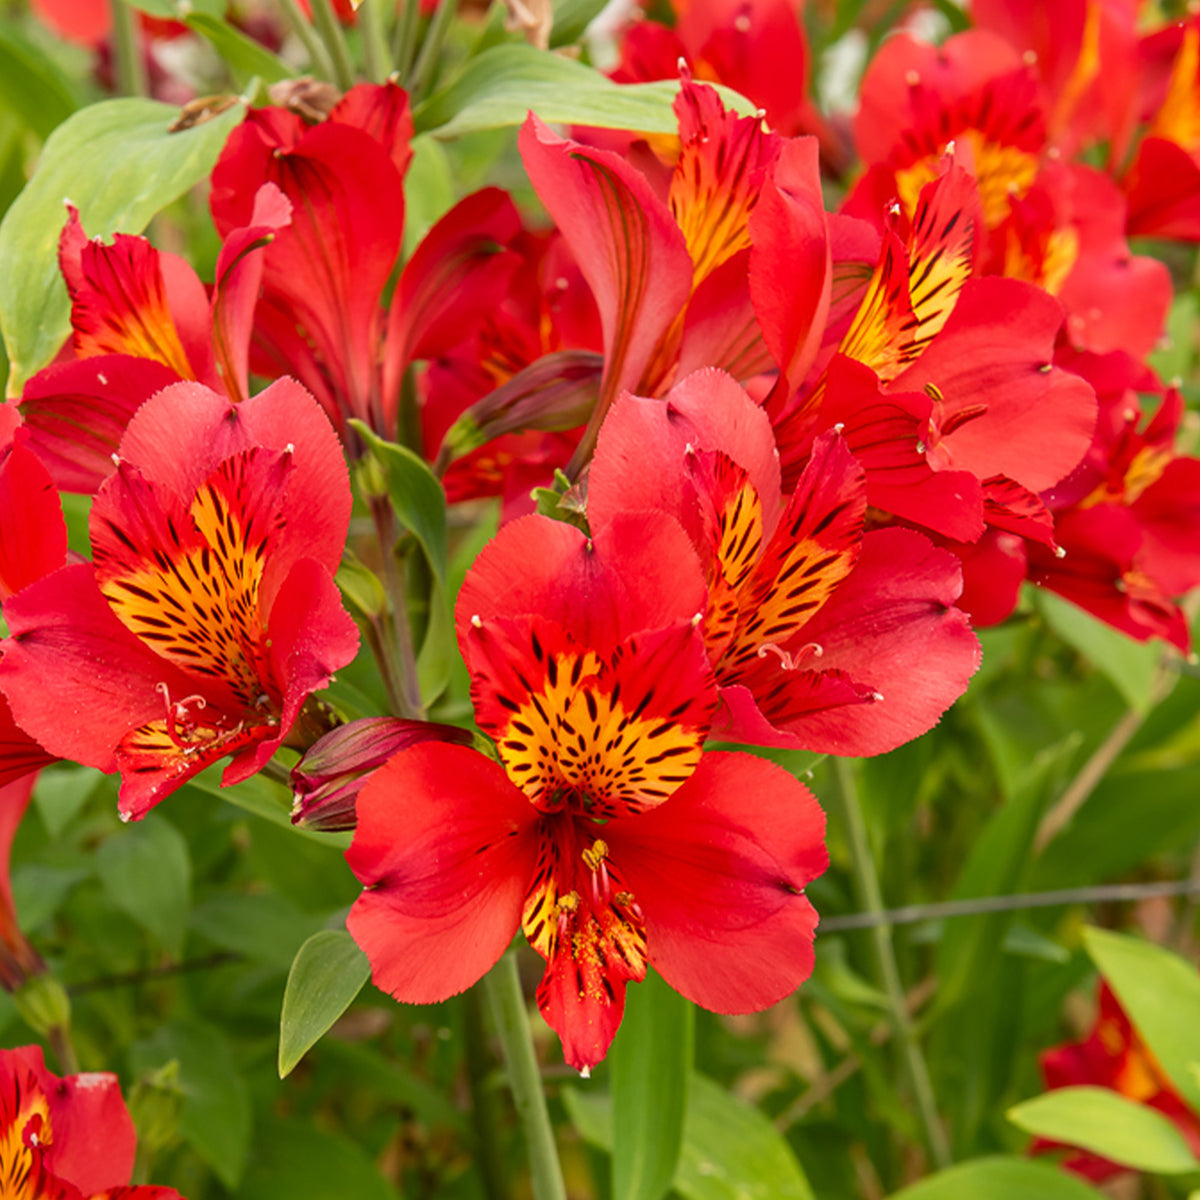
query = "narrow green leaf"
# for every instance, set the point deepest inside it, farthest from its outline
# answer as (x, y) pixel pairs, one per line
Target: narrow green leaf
(500, 86)
(1000, 1179)
(32, 86)
(651, 1061)
(730, 1150)
(1130, 666)
(1160, 992)
(428, 190)
(216, 1118)
(247, 59)
(329, 971)
(119, 164)
(416, 495)
(146, 871)
(1106, 1123)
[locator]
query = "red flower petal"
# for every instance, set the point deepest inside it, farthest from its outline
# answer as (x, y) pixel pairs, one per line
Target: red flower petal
(33, 534)
(445, 845)
(719, 872)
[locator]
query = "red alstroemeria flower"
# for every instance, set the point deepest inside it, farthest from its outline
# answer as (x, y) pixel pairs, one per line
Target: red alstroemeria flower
(757, 47)
(210, 612)
(1059, 225)
(669, 278)
(1163, 181)
(321, 317)
(1126, 519)
(821, 636)
(604, 831)
(142, 320)
(33, 534)
(1113, 1055)
(962, 418)
(65, 1139)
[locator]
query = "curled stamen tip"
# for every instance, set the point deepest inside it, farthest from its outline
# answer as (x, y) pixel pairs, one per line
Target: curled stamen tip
(290, 448)
(689, 449)
(476, 622)
(125, 817)
(585, 1072)
(950, 147)
(1060, 552)
(877, 696)
(697, 619)
(839, 427)
(116, 459)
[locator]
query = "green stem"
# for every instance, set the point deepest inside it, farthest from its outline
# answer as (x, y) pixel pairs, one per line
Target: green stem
(318, 58)
(377, 59)
(331, 34)
(397, 633)
(127, 49)
(405, 43)
(59, 1037)
(484, 1097)
(431, 47)
(871, 898)
(503, 987)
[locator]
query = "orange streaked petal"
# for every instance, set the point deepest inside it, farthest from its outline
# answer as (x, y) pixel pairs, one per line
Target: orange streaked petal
(718, 177)
(191, 737)
(187, 581)
(582, 919)
(24, 1127)
(1178, 120)
(119, 298)
(914, 289)
(814, 548)
(573, 730)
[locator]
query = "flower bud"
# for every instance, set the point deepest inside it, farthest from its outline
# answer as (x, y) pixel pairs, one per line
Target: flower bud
(327, 779)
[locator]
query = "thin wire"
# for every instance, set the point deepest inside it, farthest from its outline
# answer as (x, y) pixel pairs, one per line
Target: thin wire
(912, 913)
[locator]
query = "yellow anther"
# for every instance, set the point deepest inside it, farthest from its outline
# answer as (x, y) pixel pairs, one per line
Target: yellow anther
(595, 854)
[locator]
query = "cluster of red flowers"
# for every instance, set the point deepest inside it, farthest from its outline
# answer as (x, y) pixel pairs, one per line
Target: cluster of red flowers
(788, 434)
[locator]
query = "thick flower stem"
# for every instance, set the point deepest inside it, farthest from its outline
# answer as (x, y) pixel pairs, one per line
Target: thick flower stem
(404, 44)
(127, 49)
(331, 34)
(871, 898)
(431, 47)
(318, 58)
(503, 986)
(484, 1097)
(377, 57)
(398, 646)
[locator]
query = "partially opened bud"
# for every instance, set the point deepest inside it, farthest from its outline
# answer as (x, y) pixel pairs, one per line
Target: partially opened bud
(327, 779)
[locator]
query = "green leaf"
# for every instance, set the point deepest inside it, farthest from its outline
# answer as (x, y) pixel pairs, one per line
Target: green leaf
(299, 1161)
(246, 58)
(1131, 667)
(651, 1060)
(1106, 1123)
(420, 504)
(730, 1150)
(259, 926)
(62, 790)
(216, 1117)
(329, 971)
(118, 164)
(1160, 993)
(32, 86)
(428, 190)
(416, 495)
(571, 18)
(146, 871)
(500, 86)
(1000, 1179)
